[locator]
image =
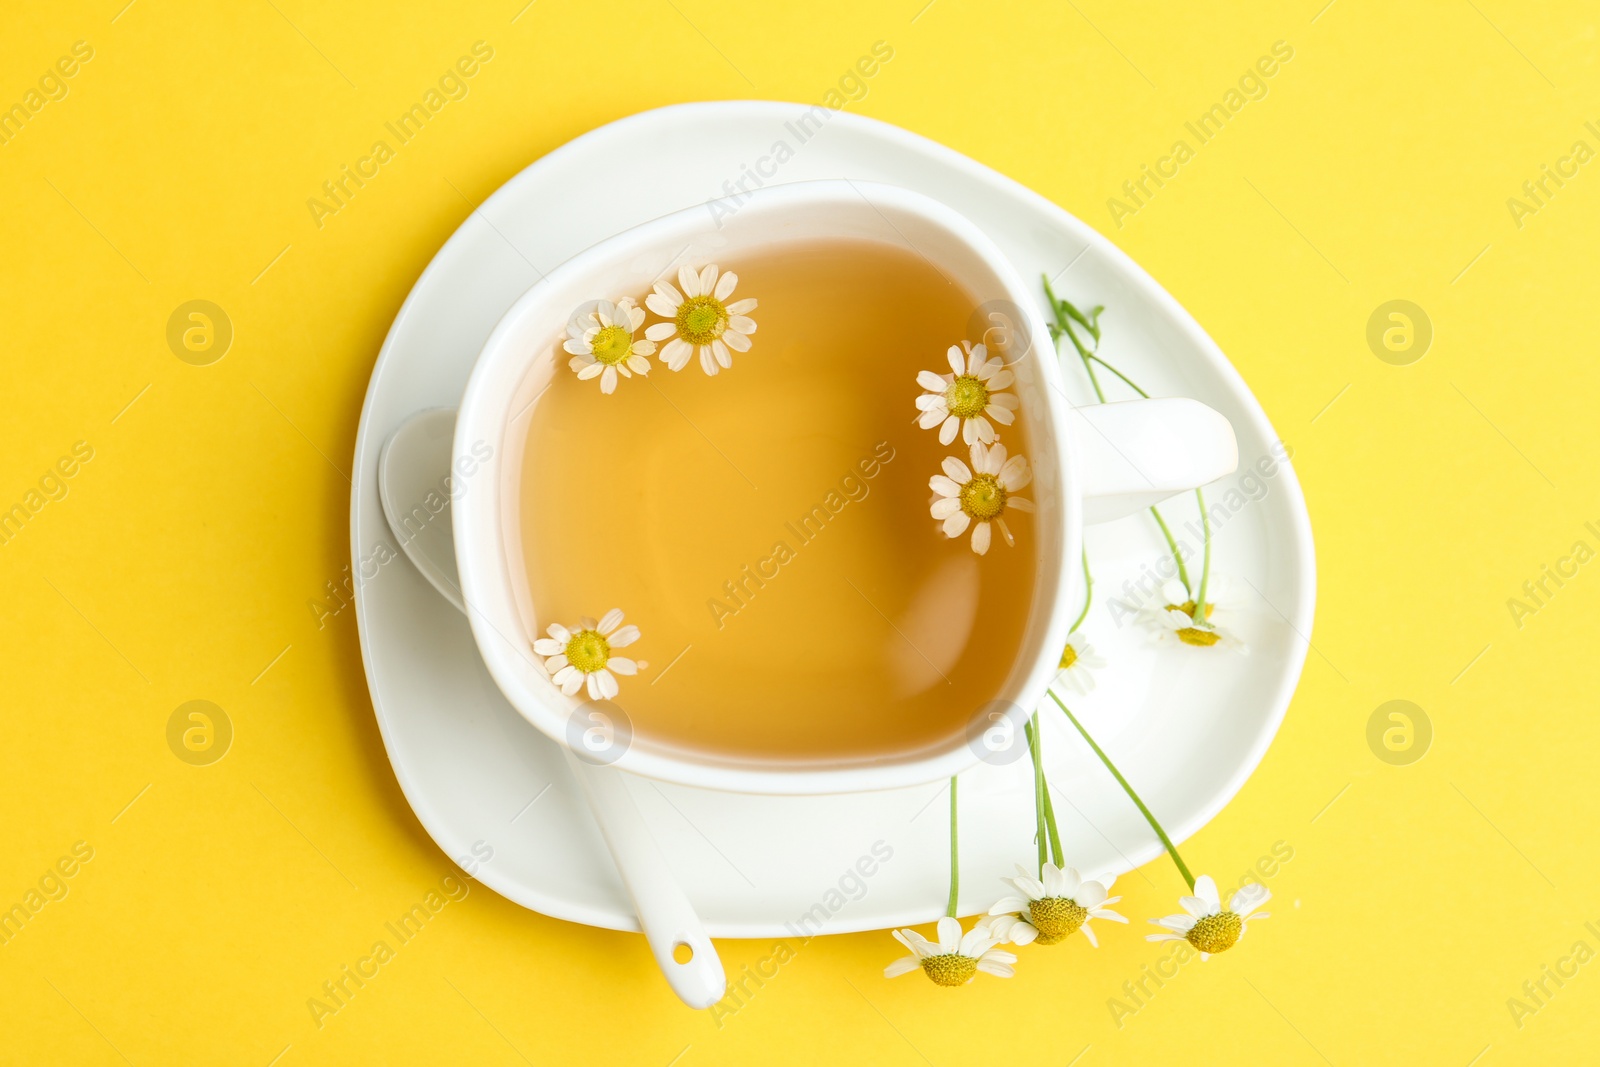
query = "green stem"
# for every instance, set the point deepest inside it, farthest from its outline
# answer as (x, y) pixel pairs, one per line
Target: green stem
(1088, 593)
(1063, 326)
(955, 855)
(1172, 546)
(1205, 566)
(1041, 836)
(1119, 374)
(1044, 790)
(1172, 850)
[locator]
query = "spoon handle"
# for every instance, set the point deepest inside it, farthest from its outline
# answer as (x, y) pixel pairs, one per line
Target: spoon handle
(670, 923)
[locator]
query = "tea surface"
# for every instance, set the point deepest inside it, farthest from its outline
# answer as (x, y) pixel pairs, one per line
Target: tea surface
(768, 528)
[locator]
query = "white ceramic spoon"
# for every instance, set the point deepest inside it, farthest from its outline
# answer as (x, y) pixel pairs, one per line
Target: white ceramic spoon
(413, 464)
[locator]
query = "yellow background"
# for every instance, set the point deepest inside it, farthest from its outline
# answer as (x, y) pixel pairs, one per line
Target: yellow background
(182, 559)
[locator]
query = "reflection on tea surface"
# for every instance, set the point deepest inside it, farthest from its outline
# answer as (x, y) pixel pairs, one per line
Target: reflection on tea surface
(768, 528)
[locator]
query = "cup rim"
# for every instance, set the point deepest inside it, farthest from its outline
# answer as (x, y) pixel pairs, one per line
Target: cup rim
(485, 573)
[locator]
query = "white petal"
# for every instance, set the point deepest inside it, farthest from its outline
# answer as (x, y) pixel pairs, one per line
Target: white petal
(725, 286)
(1008, 401)
(577, 347)
(635, 316)
(1000, 381)
(947, 432)
(1164, 937)
(942, 509)
(1015, 474)
(708, 362)
(999, 414)
(741, 324)
(676, 353)
(1206, 889)
(949, 934)
(688, 281)
(559, 632)
(932, 402)
(708, 279)
(1005, 532)
(931, 418)
(980, 538)
(953, 354)
(720, 351)
(931, 382)
(622, 665)
(637, 363)
(548, 646)
(943, 486)
(665, 307)
(608, 380)
(742, 307)
(736, 341)
(903, 965)
(623, 637)
(591, 370)
(955, 524)
(957, 470)
(992, 461)
(999, 970)
(610, 621)
(660, 331)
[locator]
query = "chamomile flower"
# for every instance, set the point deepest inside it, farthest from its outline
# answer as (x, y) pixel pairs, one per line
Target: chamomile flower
(955, 958)
(601, 343)
(1078, 663)
(1050, 908)
(584, 654)
(980, 495)
(702, 322)
(967, 398)
(1206, 924)
(1176, 616)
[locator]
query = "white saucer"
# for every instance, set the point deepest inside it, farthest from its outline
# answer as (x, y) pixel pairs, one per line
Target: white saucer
(1187, 726)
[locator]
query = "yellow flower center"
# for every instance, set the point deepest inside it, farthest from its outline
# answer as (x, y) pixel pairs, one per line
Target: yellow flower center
(1193, 635)
(588, 651)
(1069, 656)
(983, 498)
(950, 969)
(1216, 933)
(612, 344)
(966, 397)
(1055, 918)
(701, 319)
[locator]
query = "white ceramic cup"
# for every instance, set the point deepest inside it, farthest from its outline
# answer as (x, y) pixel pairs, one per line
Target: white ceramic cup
(1091, 464)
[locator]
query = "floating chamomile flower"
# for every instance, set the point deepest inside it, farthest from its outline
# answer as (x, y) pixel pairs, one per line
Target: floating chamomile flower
(970, 397)
(1176, 616)
(982, 495)
(584, 655)
(1078, 663)
(955, 958)
(703, 322)
(1050, 908)
(602, 343)
(1207, 925)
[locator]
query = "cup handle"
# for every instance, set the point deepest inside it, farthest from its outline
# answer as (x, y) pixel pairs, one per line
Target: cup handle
(1136, 453)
